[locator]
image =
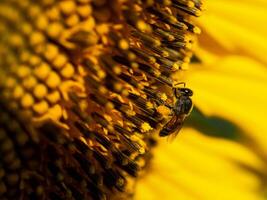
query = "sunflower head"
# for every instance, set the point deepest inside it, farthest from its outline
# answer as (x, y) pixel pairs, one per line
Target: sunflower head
(82, 89)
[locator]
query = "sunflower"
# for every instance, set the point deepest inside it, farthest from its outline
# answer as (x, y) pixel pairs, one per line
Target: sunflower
(87, 85)
(84, 84)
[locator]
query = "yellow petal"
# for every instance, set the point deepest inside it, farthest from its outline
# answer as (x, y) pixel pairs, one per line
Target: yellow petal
(235, 89)
(235, 27)
(194, 168)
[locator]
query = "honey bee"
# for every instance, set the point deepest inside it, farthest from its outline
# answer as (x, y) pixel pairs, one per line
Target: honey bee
(180, 110)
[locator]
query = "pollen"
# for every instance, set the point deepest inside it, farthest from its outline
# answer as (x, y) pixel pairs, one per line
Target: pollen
(163, 110)
(82, 84)
(146, 127)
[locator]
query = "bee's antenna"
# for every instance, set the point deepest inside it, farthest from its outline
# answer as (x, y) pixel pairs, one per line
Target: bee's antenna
(179, 83)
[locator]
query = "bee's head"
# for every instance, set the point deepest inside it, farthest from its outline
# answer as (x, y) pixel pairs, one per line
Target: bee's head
(182, 92)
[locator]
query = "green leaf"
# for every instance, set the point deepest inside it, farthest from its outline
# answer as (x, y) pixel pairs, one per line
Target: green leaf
(213, 126)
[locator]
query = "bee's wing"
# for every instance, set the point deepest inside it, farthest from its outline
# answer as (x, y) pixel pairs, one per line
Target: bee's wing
(173, 126)
(176, 127)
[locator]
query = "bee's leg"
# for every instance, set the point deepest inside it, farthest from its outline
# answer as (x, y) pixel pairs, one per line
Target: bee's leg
(161, 102)
(168, 106)
(172, 111)
(158, 101)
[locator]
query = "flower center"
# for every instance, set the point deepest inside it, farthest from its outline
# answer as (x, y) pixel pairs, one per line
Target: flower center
(83, 84)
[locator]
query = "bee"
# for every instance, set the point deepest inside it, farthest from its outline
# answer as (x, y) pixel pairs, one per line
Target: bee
(180, 110)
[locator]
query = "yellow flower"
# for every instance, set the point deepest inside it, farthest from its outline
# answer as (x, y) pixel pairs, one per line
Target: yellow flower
(86, 86)
(83, 85)
(221, 153)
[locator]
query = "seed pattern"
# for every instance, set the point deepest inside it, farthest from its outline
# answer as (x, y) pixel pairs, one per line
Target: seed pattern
(81, 84)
